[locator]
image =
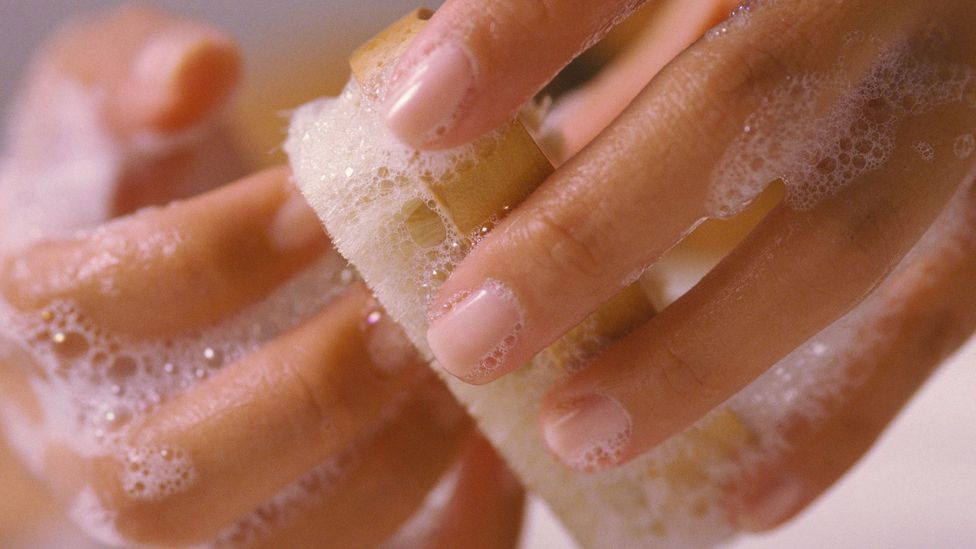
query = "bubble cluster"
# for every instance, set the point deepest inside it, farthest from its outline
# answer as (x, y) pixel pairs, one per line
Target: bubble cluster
(817, 151)
(925, 150)
(156, 473)
(95, 384)
(600, 453)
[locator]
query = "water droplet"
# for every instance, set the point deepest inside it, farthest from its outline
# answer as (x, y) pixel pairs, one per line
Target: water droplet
(373, 318)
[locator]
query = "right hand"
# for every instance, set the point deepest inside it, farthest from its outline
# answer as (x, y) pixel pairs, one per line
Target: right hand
(156, 370)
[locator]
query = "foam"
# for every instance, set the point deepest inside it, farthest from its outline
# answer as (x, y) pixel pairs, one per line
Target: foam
(925, 150)
(156, 473)
(93, 384)
(88, 512)
(58, 180)
(827, 151)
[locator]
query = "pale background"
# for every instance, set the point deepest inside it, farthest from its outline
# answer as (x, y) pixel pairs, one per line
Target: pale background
(917, 488)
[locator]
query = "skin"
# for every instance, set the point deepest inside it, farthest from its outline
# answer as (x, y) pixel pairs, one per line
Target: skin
(331, 388)
(582, 234)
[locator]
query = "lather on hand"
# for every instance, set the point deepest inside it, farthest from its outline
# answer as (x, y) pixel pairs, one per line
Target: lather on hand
(174, 375)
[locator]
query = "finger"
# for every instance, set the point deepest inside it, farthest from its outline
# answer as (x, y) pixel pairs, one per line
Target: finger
(116, 115)
(798, 272)
(476, 63)
(382, 483)
(213, 454)
(157, 72)
(182, 266)
(891, 344)
(670, 27)
(482, 511)
(607, 214)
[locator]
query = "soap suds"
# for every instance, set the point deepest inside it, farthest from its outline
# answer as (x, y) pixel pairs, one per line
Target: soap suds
(817, 154)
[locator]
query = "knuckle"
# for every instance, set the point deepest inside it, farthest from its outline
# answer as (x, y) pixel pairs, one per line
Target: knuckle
(563, 252)
(688, 377)
(317, 409)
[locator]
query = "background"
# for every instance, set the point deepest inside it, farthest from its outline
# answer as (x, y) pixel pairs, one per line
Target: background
(917, 488)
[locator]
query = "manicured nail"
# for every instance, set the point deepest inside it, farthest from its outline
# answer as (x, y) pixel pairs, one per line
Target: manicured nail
(177, 75)
(425, 105)
(390, 352)
(772, 506)
(588, 434)
(295, 226)
(473, 337)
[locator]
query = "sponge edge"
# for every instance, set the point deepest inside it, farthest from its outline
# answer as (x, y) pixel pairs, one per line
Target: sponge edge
(385, 207)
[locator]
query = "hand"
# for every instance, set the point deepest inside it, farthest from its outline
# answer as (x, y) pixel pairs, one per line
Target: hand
(864, 109)
(206, 370)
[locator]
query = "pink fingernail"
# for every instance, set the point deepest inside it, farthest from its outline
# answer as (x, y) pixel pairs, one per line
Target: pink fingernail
(473, 338)
(588, 434)
(171, 64)
(295, 226)
(389, 349)
(158, 63)
(772, 506)
(425, 105)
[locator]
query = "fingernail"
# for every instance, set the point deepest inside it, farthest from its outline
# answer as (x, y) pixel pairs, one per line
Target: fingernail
(426, 104)
(186, 64)
(588, 434)
(295, 226)
(772, 506)
(472, 339)
(390, 352)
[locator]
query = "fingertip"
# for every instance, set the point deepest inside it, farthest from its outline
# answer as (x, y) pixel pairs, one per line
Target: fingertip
(389, 350)
(588, 433)
(768, 505)
(180, 75)
(426, 103)
(475, 332)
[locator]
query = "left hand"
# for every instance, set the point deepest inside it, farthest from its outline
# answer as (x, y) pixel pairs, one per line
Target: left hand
(200, 370)
(702, 140)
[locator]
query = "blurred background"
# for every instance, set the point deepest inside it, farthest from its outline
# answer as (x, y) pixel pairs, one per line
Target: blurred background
(917, 488)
